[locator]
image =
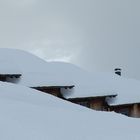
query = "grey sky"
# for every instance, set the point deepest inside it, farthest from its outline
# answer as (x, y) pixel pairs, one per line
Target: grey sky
(98, 35)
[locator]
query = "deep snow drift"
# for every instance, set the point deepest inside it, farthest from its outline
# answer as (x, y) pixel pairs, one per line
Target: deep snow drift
(32, 115)
(37, 72)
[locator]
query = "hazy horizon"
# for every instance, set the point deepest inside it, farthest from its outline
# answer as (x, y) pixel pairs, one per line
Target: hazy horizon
(97, 35)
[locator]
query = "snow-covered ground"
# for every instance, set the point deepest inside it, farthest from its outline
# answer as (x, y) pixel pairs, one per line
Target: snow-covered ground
(37, 72)
(32, 115)
(27, 114)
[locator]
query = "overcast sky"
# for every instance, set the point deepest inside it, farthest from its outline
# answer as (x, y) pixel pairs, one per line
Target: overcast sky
(98, 35)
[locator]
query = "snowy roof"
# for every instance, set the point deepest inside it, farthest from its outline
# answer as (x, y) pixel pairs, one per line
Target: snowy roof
(31, 115)
(83, 99)
(128, 92)
(37, 72)
(7, 66)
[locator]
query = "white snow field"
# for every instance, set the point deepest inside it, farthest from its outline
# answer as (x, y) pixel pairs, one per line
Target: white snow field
(27, 114)
(37, 72)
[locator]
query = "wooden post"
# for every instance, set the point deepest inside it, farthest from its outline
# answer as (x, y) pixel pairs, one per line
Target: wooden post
(134, 112)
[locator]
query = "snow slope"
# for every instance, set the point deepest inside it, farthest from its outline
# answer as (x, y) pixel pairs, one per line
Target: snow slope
(37, 72)
(32, 115)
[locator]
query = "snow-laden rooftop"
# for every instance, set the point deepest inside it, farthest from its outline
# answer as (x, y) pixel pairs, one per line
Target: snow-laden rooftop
(27, 114)
(127, 90)
(37, 72)
(8, 67)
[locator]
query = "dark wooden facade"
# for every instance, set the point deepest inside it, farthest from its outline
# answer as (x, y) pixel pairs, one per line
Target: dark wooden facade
(53, 90)
(96, 103)
(131, 110)
(9, 77)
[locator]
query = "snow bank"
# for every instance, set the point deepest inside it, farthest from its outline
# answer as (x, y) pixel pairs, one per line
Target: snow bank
(37, 72)
(32, 115)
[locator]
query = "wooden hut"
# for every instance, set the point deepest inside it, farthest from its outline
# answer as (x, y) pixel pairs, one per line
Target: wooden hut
(53, 90)
(95, 102)
(131, 110)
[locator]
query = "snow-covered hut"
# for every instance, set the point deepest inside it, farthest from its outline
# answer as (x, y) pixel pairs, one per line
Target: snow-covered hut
(9, 71)
(98, 91)
(94, 102)
(53, 90)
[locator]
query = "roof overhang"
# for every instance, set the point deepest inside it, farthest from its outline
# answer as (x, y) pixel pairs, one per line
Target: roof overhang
(124, 104)
(11, 75)
(55, 87)
(91, 97)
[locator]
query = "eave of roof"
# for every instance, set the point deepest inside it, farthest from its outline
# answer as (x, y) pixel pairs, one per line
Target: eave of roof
(46, 87)
(8, 75)
(92, 97)
(124, 104)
